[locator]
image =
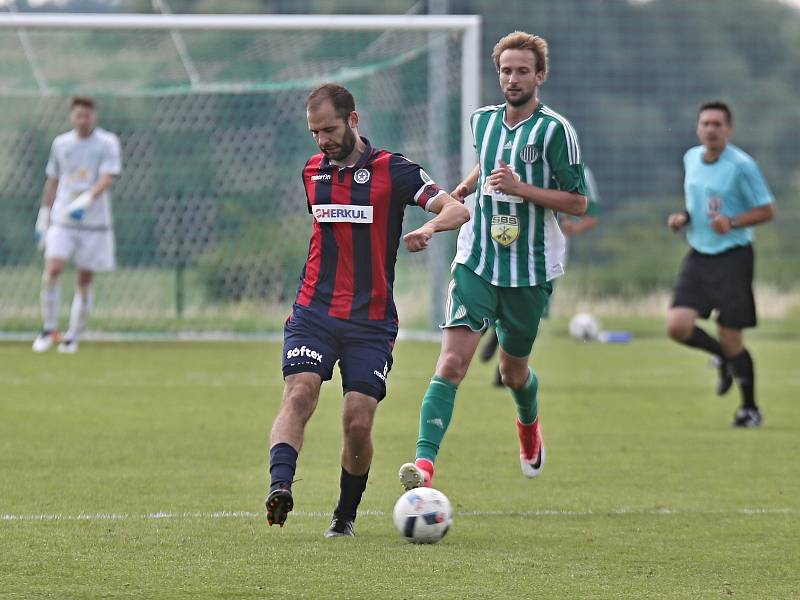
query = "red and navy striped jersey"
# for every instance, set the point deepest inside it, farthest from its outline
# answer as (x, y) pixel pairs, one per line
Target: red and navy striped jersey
(358, 221)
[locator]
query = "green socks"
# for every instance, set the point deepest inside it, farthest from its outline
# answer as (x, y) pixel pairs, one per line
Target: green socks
(525, 399)
(434, 416)
(437, 409)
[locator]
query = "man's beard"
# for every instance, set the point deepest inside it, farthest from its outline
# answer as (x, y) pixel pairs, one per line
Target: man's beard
(520, 100)
(345, 148)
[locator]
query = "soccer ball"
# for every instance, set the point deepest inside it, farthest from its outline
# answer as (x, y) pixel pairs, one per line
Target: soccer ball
(423, 515)
(584, 327)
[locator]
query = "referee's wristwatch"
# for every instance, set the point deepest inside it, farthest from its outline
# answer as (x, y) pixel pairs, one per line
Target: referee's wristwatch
(733, 222)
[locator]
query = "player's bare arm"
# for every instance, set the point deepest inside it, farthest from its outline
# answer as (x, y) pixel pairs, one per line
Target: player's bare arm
(755, 216)
(502, 179)
(571, 226)
(468, 186)
(451, 214)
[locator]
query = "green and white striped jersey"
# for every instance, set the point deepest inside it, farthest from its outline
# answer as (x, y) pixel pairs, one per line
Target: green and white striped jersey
(510, 242)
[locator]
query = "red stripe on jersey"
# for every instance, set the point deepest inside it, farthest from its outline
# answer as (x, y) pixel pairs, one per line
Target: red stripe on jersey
(381, 200)
(314, 260)
(344, 288)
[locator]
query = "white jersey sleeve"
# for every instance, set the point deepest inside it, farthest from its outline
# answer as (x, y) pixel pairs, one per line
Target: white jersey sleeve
(53, 169)
(111, 162)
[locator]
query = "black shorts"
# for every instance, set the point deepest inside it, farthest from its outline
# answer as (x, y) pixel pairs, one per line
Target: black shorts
(721, 281)
(313, 342)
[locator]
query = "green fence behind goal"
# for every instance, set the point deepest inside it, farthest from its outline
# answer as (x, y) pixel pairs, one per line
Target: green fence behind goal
(210, 215)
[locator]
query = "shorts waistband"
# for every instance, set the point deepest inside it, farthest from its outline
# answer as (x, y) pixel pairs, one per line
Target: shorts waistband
(733, 250)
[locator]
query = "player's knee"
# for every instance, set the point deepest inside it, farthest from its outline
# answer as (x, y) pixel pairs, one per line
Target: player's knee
(453, 367)
(298, 403)
(679, 329)
(51, 274)
(512, 377)
(732, 344)
(357, 426)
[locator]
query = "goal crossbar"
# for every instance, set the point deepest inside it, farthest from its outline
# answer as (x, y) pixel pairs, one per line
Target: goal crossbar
(251, 22)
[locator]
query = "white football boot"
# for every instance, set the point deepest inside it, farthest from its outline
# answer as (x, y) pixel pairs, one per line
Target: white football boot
(45, 340)
(68, 347)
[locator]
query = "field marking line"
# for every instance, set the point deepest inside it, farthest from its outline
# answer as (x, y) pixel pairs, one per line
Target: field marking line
(225, 514)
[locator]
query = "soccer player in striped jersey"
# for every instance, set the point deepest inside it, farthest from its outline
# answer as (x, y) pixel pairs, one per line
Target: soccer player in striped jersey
(344, 311)
(529, 171)
(570, 226)
(726, 195)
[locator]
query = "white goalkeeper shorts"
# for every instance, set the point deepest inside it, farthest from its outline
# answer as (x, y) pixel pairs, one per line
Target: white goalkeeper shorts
(90, 250)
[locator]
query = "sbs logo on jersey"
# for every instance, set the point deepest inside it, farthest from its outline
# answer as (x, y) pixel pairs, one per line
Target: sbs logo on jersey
(505, 229)
(361, 176)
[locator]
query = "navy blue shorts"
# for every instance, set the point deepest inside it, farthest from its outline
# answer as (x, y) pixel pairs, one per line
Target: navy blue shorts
(313, 342)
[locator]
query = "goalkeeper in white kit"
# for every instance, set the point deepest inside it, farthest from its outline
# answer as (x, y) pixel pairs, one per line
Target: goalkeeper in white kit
(74, 221)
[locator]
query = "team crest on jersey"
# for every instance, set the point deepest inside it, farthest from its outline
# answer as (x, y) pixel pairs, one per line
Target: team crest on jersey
(361, 176)
(529, 154)
(505, 229)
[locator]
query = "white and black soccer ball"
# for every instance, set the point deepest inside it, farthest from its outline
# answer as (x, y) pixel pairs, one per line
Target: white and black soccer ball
(423, 515)
(584, 327)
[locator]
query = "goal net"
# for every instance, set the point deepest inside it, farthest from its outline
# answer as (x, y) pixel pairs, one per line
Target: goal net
(209, 213)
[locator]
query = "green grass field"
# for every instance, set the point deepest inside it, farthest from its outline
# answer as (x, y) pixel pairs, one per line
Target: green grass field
(137, 470)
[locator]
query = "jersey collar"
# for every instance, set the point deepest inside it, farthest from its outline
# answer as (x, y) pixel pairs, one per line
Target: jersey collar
(721, 155)
(539, 107)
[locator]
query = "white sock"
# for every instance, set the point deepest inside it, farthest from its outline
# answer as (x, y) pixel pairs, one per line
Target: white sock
(49, 298)
(81, 305)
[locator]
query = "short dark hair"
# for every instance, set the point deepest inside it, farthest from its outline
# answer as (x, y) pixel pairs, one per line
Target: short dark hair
(716, 105)
(84, 101)
(339, 96)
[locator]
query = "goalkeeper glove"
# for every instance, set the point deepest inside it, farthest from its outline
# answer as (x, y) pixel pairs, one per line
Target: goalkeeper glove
(42, 223)
(77, 208)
